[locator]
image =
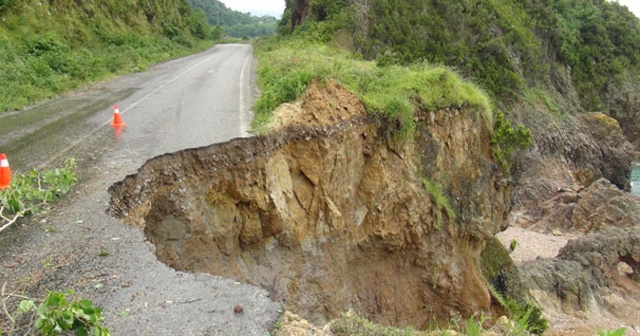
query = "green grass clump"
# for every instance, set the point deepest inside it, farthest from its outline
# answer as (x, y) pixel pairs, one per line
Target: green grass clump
(288, 66)
(617, 332)
(527, 317)
(441, 202)
(539, 96)
(353, 324)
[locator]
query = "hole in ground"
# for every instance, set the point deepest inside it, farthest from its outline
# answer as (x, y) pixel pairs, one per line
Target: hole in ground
(317, 278)
(326, 226)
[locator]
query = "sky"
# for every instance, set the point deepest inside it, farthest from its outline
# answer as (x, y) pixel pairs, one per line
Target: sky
(633, 5)
(258, 7)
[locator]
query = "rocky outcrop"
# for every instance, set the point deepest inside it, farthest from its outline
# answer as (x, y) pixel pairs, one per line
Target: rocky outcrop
(586, 270)
(623, 104)
(329, 212)
(598, 206)
(573, 182)
(569, 154)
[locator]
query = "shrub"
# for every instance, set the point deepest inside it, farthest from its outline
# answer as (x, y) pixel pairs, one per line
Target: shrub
(61, 312)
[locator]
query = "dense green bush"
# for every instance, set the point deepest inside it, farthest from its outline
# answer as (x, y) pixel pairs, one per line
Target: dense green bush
(51, 47)
(505, 46)
(4, 4)
(508, 137)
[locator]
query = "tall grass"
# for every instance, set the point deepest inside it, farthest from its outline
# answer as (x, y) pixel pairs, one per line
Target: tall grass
(288, 66)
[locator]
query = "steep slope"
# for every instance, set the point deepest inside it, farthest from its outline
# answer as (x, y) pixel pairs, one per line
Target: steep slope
(329, 214)
(571, 55)
(48, 47)
(549, 65)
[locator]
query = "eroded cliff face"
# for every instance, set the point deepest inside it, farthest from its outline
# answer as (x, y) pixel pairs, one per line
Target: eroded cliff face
(573, 182)
(329, 212)
(569, 154)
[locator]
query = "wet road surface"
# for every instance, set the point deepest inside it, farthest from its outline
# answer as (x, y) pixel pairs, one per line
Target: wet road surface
(185, 103)
(189, 102)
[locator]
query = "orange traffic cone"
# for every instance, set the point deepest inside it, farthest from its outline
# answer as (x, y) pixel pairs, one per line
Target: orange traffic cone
(5, 172)
(117, 120)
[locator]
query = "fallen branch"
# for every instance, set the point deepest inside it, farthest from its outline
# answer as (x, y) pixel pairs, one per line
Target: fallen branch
(32, 187)
(16, 326)
(11, 221)
(6, 310)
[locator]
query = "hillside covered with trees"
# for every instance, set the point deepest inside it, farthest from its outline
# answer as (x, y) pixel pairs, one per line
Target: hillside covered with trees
(559, 81)
(55, 46)
(234, 23)
(510, 47)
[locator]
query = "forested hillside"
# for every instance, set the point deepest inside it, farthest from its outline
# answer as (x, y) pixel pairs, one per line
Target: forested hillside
(235, 23)
(510, 47)
(566, 72)
(48, 47)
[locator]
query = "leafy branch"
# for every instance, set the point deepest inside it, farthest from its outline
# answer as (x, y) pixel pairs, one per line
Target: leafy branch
(30, 191)
(58, 313)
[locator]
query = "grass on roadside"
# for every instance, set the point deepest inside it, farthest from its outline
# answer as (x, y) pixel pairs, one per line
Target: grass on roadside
(288, 66)
(51, 47)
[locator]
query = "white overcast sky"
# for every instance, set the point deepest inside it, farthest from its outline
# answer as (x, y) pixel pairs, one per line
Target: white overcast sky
(633, 5)
(277, 6)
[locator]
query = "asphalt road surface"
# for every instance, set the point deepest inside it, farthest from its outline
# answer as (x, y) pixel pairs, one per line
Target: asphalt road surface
(189, 102)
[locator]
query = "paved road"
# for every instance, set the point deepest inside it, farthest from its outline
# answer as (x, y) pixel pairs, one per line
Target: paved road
(189, 102)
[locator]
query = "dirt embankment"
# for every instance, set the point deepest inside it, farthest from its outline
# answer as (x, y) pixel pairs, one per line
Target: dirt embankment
(329, 211)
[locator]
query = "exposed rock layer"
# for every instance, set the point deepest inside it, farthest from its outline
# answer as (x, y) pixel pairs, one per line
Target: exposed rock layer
(569, 154)
(587, 272)
(330, 214)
